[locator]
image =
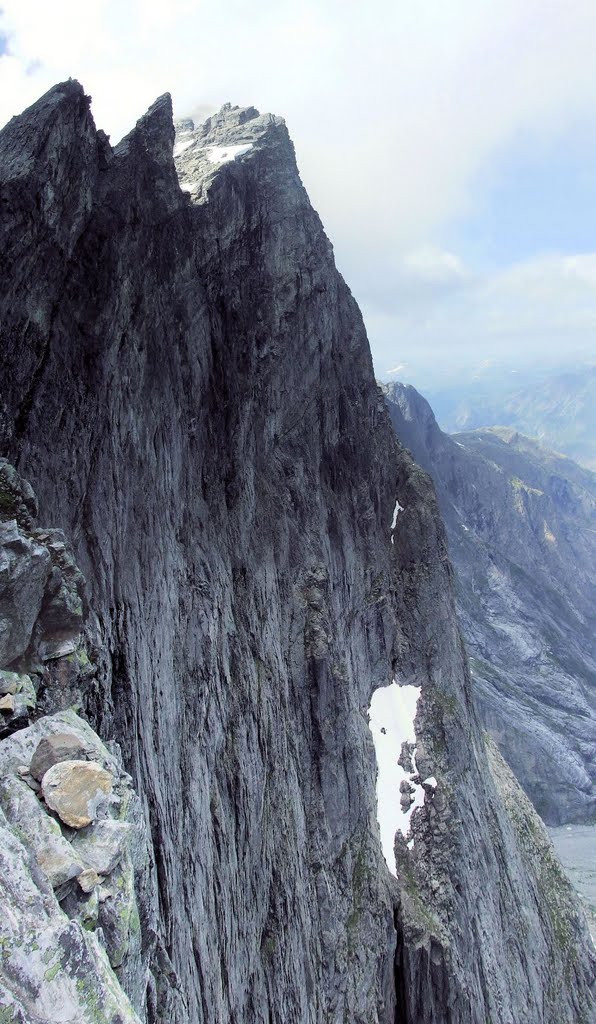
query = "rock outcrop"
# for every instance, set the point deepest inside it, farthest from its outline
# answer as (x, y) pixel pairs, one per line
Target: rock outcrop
(74, 885)
(521, 528)
(70, 933)
(188, 385)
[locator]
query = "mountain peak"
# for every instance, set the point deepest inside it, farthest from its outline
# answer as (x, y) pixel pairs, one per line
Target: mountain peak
(154, 131)
(230, 135)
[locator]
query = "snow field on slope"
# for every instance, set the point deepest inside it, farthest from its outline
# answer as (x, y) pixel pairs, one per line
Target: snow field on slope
(391, 721)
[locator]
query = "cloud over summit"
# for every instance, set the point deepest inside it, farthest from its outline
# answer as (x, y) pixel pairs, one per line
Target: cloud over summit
(398, 111)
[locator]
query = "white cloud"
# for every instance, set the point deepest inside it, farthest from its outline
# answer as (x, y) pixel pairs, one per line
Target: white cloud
(395, 108)
(393, 105)
(543, 309)
(434, 264)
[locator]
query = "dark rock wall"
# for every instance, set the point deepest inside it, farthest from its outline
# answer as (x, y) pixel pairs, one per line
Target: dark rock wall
(188, 385)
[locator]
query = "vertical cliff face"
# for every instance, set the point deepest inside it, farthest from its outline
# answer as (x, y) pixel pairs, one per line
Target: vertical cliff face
(188, 385)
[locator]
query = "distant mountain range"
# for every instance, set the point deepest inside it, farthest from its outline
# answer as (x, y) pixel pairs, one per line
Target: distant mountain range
(559, 409)
(522, 537)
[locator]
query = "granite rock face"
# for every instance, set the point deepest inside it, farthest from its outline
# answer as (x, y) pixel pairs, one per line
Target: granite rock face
(521, 527)
(195, 405)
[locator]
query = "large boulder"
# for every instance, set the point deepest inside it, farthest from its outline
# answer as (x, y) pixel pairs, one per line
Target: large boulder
(61, 746)
(76, 790)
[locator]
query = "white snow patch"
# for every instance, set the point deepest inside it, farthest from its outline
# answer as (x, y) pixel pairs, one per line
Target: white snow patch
(391, 721)
(398, 508)
(459, 444)
(181, 146)
(431, 781)
(223, 154)
(466, 528)
(191, 186)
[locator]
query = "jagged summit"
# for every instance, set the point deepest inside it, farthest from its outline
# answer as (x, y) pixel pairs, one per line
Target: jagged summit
(156, 126)
(230, 135)
(40, 140)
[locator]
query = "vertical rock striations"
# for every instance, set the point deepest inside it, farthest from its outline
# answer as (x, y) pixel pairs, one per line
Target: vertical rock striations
(188, 385)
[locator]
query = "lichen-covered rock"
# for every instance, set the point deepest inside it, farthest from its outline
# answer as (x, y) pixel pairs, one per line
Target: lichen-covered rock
(89, 880)
(55, 856)
(118, 913)
(59, 863)
(76, 790)
(63, 746)
(19, 704)
(9, 682)
(51, 968)
(102, 845)
(45, 858)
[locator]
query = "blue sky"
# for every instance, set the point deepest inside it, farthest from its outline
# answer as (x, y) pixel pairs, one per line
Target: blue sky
(448, 145)
(533, 200)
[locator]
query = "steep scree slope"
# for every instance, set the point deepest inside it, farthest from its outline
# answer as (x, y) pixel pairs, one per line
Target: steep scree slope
(187, 383)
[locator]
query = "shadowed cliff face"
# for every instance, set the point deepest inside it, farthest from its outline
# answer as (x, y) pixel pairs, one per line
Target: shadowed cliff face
(520, 522)
(188, 385)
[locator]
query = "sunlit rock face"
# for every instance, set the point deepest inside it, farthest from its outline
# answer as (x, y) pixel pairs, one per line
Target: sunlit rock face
(188, 385)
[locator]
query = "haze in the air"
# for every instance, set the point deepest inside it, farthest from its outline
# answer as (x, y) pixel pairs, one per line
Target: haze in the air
(449, 145)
